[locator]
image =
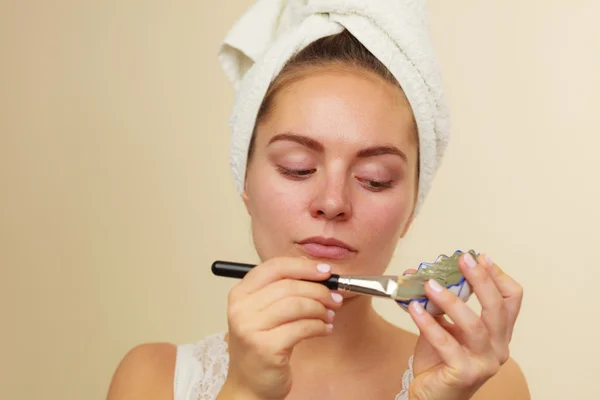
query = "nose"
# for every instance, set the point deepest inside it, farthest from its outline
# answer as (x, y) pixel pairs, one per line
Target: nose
(332, 201)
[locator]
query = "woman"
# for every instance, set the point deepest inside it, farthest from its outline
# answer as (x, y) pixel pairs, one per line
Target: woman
(333, 179)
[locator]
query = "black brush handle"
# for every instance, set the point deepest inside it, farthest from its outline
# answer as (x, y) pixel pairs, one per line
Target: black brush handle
(231, 269)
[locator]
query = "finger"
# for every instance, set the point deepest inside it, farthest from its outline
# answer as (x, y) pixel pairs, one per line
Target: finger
(510, 290)
(282, 268)
(410, 272)
(476, 336)
(442, 320)
(448, 348)
(447, 325)
(292, 309)
(444, 323)
(493, 309)
(287, 336)
(454, 330)
(276, 291)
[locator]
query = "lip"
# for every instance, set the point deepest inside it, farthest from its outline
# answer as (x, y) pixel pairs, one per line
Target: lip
(321, 247)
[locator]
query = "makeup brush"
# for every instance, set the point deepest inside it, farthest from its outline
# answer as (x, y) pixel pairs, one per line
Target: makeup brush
(382, 286)
(402, 289)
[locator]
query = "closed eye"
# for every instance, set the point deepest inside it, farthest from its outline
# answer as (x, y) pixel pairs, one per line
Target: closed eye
(296, 173)
(375, 186)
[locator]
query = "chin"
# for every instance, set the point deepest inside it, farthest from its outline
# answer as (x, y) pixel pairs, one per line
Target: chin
(348, 295)
(342, 267)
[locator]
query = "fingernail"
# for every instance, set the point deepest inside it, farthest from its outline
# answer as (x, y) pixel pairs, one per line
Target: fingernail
(329, 327)
(418, 307)
(436, 287)
(324, 268)
(470, 261)
(330, 314)
(489, 261)
(337, 297)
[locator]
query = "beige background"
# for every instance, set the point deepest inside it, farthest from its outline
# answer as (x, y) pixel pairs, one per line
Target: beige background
(116, 195)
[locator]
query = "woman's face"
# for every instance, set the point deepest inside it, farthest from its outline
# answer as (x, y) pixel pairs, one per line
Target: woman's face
(333, 175)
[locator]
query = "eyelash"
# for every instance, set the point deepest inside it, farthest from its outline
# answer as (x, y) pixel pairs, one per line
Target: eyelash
(374, 186)
(295, 173)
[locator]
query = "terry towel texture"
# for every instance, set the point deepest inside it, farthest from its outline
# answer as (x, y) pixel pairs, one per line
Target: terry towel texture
(395, 31)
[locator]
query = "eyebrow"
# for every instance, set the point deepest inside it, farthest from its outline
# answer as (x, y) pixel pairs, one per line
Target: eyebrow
(381, 150)
(317, 146)
(300, 139)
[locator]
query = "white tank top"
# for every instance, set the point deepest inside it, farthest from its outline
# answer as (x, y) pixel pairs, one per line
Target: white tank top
(201, 368)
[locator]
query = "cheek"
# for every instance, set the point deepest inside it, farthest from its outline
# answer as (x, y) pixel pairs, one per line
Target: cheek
(275, 209)
(384, 222)
(271, 198)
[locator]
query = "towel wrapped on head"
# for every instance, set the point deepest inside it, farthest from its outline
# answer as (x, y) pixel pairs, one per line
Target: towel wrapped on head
(271, 32)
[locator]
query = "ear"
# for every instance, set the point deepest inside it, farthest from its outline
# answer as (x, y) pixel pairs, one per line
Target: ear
(408, 224)
(411, 218)
(246, 200)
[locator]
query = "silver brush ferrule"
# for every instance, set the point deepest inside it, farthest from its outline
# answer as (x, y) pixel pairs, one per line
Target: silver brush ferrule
(381, 286)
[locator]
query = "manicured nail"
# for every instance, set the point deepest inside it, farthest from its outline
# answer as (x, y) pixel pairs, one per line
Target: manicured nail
(337, 297)
(418, 307)
(489, 261)
(330, 314)
(436, 287)
(470, 261)
(329, 327)
(324, 268)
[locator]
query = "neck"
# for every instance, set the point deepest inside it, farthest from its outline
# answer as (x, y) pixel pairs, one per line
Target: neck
(355, 331)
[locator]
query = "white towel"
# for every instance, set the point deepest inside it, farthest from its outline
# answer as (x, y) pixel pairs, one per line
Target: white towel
(395, 31)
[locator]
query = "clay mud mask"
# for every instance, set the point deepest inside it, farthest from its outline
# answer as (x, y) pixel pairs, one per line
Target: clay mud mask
(445, 271)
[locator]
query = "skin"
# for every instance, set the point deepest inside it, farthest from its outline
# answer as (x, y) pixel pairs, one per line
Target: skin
(278, 323)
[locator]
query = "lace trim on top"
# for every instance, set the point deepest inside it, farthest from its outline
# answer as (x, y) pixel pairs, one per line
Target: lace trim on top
(211, 361)
(407, 379)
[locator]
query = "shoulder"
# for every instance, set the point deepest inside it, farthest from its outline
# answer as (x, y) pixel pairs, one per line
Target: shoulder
(509, 382)
(145, 372)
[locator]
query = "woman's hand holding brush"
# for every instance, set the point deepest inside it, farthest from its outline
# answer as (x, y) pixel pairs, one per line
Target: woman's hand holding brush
(270, 311)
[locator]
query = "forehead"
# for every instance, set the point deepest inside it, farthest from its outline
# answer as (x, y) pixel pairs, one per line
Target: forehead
(342, 104)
